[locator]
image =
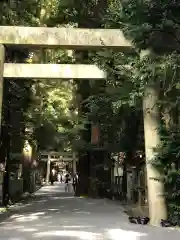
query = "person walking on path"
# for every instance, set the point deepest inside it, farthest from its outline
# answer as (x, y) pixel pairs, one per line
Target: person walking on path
(67, 182)
(75, 182)
(53, 176)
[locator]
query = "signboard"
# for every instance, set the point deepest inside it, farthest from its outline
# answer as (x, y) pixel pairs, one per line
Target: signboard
(95, 134)
(118, 163)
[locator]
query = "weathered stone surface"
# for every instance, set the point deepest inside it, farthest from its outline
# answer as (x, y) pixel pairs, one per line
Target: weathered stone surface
(70, 38)
(2, 57)
(53, 71)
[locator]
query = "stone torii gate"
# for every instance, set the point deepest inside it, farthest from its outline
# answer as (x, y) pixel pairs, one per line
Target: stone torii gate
(69, 38)
(75, 38)
(51, 156)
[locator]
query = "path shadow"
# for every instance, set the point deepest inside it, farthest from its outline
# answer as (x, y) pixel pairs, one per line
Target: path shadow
(53, 214)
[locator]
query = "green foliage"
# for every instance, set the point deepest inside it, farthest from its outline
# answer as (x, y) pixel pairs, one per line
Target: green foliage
(19, 12)
(52, 115)
(149, 24)
(152, 26)
(42, 107)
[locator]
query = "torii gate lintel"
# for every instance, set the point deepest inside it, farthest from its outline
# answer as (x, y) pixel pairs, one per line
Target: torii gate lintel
(69, 38)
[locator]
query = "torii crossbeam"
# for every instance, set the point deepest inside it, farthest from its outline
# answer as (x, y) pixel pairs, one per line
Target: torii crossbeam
(69, 38)
(52, 71)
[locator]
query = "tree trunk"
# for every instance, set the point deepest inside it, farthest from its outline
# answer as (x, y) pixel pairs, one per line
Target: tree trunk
(83, 172)
(27, 166)
(5, 146)
(84, 164)
(157, 204)
(124, 183)
(5, 153)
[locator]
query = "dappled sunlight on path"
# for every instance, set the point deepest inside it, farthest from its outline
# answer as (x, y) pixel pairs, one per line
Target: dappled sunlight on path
(54, 214)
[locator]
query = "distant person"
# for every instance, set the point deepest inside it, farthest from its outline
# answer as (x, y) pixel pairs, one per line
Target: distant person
(75, 182)
(67, 182)
(59, 177)
(53, 176)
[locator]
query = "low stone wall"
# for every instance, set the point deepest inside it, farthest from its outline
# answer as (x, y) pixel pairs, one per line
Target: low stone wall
(137, 210)
(15, 188)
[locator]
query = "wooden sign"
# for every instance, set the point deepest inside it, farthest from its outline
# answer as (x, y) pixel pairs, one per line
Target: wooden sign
(95, 134)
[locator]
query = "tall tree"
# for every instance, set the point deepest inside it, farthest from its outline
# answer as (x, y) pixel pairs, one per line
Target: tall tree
(151, 26)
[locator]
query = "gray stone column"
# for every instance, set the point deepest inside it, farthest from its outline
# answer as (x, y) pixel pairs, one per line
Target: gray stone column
(48, 169)
(2, 58)
(152, 137)
(74, 163)
(156, 191)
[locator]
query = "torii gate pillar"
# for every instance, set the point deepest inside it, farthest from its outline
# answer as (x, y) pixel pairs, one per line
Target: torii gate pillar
(2, 58)
(48, 170)
(74, 163)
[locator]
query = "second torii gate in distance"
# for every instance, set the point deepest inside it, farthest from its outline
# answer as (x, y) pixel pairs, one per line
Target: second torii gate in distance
(51, 156)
